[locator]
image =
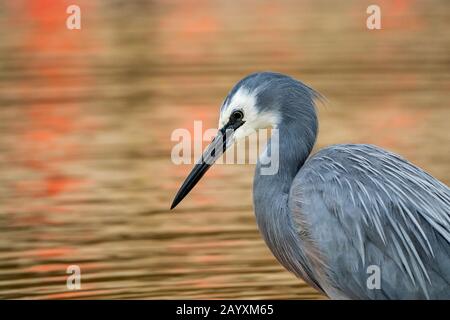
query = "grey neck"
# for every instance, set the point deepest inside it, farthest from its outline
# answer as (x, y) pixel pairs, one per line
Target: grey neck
(293, 145)
(271, 192)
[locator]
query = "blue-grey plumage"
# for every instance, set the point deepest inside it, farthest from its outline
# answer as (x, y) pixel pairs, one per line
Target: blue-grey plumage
(329, 217)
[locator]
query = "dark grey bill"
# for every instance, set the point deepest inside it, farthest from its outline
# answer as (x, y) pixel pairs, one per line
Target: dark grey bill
(217, 147)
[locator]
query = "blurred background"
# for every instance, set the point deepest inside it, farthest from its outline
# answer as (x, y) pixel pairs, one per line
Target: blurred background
(86, 117)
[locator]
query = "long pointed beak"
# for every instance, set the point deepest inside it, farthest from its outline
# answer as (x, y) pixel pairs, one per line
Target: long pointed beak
(218, 146)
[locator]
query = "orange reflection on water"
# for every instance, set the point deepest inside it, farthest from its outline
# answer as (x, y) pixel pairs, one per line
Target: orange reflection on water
(46, 140)
(46, 137)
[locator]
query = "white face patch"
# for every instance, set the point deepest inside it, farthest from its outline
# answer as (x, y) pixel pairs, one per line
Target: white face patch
(245, 100)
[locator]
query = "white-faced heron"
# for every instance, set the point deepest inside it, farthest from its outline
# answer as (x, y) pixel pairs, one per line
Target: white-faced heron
(337, 217)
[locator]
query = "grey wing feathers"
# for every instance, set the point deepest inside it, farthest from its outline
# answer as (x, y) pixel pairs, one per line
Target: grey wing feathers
(366, 206)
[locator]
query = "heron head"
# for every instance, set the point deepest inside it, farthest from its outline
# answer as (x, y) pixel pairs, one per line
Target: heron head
(243, 103)
(258, 101)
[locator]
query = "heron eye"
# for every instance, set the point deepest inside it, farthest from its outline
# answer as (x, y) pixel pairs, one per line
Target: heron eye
(237, 115)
